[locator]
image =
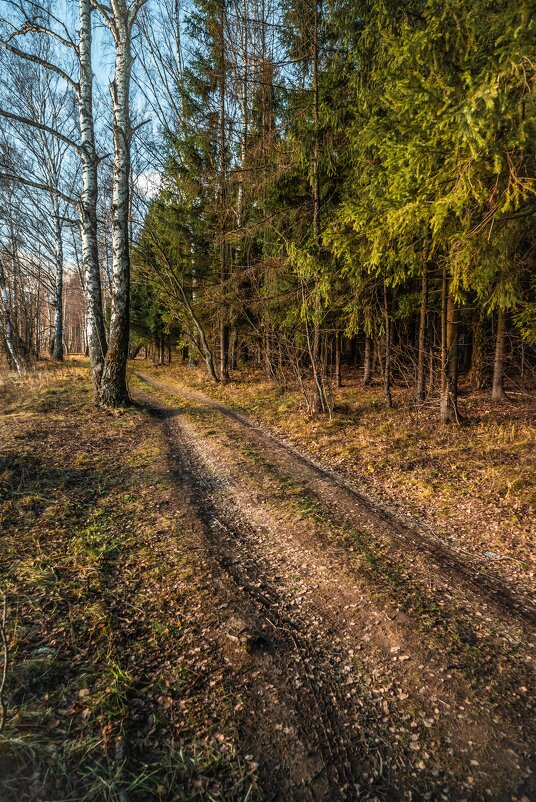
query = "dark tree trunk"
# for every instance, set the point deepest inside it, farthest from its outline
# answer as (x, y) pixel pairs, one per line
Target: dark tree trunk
(497, 390)
(354, 351)
(224, 352)
(318, 403)
(367, 365)
(376, 356)
(268, 364)
(387, 360)
(449, 355)
(421, 379)
(224, 267)
(338, 373)
(479, 373)
(233, 354)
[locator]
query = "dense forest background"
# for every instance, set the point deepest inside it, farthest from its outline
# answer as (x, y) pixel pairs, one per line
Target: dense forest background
(312, 184)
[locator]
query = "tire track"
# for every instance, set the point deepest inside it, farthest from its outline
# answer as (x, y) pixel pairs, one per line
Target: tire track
(328, 486)
(318, 702)
(348, 750)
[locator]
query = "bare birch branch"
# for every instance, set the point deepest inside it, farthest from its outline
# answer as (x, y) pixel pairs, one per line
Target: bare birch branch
(31, 27)
(48, 65)
(41, 126)
(38, 7)
(36, 185)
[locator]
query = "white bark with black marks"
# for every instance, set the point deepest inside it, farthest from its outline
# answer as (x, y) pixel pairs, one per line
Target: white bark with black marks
(120, 18)
(95, 331)
(86, 150)
(57, 337)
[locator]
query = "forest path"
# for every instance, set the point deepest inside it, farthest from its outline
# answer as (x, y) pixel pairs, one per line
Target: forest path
(384, 665)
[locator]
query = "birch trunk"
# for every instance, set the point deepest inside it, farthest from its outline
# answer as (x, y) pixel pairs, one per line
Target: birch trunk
(5, 293)
(113, 390)
(57, 341)
(95, 332)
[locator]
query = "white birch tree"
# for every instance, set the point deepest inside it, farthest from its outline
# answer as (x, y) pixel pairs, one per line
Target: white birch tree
(120, 18)
(34, 20)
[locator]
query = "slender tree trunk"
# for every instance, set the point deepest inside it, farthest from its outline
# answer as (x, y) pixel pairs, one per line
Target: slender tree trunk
(479, 373)
(421, 378)
(497, 390)
(319, 400)
(338, 374)
(354, 351)
(387, 362)
(5, 294)
(57, 340)
(244, 112)
(224, 351)
(449, 355)
(315, 354)
(269, 369)
(233, 352)
(431, 371)
(367, 362)
(208, 356)
(95, 331)
(224, 267)
(114, 391)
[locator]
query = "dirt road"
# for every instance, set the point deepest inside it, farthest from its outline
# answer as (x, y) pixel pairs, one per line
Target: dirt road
(376, 662)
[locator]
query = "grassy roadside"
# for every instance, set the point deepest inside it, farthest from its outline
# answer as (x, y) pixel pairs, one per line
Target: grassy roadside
(113, 690)
(475, 483)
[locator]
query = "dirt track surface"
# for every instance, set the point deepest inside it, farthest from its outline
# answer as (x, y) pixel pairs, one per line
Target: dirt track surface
(376, 662)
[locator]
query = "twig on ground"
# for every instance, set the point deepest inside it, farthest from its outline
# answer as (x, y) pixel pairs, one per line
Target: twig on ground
(5, 660)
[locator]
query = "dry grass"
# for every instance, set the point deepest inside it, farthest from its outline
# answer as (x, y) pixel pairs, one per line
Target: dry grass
(103, 645)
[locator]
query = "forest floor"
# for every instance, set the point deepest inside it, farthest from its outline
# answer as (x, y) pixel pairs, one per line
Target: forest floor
(212, 598)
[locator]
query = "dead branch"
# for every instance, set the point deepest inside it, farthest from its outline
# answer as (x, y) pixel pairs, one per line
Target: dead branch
(5, 660)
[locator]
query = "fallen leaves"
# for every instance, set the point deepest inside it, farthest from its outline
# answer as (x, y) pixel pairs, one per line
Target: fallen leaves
(92, 569)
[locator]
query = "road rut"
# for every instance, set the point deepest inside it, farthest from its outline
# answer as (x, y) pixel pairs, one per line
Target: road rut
(347, 699)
